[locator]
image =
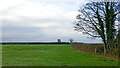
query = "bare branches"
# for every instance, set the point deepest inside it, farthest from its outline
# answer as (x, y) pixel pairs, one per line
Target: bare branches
(97, 19)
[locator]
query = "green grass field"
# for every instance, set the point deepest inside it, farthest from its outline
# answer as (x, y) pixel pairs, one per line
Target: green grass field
(50, 55)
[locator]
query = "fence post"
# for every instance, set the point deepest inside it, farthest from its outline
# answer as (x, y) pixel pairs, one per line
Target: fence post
(95, 50)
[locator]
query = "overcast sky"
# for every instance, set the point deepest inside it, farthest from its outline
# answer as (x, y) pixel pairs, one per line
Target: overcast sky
(41, 20)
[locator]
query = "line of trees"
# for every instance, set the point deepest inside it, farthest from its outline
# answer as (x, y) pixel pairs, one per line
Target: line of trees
(99, 19)
(35, 43)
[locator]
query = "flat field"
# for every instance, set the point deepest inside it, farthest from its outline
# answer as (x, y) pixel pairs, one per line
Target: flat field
(50, 55)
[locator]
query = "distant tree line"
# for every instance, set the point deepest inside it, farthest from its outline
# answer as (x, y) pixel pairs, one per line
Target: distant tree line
(35, 43)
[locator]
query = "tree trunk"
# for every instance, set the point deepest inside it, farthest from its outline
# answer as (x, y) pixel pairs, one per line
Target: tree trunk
(118, 42)
(105, 47)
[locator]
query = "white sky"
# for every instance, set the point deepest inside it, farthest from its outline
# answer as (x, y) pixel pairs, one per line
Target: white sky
(41, 20)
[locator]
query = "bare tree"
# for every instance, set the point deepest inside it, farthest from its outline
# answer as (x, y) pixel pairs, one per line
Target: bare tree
(59, 40)
(118, 36)
(98, 19)
(71, 40)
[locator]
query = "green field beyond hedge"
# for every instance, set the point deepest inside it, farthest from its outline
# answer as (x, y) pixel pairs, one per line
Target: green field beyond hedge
(50, 55)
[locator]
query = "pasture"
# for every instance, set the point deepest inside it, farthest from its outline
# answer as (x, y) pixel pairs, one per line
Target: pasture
(50, 55)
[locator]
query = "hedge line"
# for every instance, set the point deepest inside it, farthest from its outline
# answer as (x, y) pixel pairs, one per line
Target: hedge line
(35, 43)
(89, 48)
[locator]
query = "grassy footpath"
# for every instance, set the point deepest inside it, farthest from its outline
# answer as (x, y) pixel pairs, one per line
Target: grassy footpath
(50, 55)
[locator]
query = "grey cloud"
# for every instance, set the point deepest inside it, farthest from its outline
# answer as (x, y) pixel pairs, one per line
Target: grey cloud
(13, 33)
(17, 31)
(18, 27)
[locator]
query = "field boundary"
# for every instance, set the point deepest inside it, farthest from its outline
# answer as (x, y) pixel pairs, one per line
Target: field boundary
(97, 49)
(35, 43)
(89, 48)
